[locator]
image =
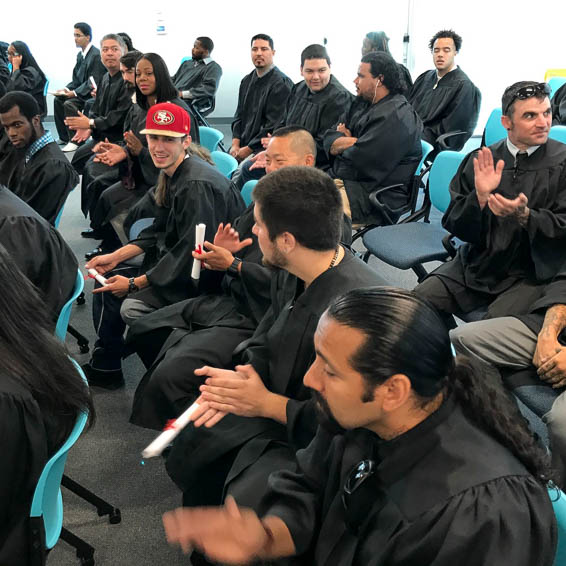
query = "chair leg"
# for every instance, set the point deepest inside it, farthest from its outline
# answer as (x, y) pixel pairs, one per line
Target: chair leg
(82, 342)
(85, 552)
(102, 507)
(420, 272)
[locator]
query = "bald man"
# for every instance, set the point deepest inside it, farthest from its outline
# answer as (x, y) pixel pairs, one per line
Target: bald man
(176, 340)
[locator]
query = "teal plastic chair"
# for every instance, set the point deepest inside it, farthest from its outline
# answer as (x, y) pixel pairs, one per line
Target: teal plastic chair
(555, 83)
(494, 130)
(47, 503)
(46, 87)
(225, 162)
(558, 499)
(410, 244)
(65, 314)
(558, 133)
(210, 137)
(247, 190)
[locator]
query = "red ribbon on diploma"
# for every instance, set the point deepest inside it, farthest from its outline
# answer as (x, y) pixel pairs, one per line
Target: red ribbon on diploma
(198, 249)
(170, 424)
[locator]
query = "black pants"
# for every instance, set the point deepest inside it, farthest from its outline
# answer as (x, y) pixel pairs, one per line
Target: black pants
(63, 108)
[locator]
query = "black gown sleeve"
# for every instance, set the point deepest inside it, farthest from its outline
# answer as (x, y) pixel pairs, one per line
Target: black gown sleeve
(237, 121)
(209, 84)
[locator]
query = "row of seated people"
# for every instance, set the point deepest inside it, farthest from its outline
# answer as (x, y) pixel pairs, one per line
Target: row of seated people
(255, 424)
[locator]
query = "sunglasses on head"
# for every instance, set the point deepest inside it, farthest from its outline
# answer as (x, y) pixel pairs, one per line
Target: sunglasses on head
(358, 503)
(527, 92)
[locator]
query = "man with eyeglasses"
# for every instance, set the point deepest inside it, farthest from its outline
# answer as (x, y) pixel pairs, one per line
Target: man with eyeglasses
(69, 100)
(418, 459)
(508, 206)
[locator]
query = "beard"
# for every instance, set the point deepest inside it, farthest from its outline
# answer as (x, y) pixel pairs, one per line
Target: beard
(324, 415)
(277, 260)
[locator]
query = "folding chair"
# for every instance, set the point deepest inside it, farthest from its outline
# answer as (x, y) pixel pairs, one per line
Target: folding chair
(558, 499)
(210, 137)
(225, 162)
(246, 191)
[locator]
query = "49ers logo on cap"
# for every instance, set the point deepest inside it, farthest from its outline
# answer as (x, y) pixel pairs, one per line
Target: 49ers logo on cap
(163, 118)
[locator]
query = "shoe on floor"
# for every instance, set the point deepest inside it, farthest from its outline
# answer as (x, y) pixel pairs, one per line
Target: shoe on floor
(111, 380)
(70, 147)
(93, 253)
(90, 233)
(62, 142)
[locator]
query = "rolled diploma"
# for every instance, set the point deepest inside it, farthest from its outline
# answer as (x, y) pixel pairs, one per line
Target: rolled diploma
(95, 275)
(167, 436)
(92, 82)
(200, 229)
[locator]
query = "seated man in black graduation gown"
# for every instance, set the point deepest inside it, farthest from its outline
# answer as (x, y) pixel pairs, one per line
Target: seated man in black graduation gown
(508, 204)
(69, 100)
(4, 70)
(39, 173)
(106, 119)
(197, 79)
(261, 100)
(38, 250)
(396, 411)
(189, 191)
(377, 142)
(175, 341)
(315, 104)
(559, 107)
(445, 98)
(298, 214)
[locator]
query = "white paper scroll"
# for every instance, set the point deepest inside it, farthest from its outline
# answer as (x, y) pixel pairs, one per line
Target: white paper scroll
(200, 229)
(95, 275)
(167, 436)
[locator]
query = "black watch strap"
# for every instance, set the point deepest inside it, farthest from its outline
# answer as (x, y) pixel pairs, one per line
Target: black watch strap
(132, 287)
(233, 269)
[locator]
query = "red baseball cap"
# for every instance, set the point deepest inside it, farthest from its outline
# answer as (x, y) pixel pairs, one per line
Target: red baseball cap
(167, 119)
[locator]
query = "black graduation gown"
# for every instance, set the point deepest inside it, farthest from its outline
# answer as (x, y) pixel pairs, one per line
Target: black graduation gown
(443, 493)
(201, 78)
(261, 103)
(558, 105)
(223, 319)
(45, 181)
(281, 351)
(199, 194)
(317, 112)
(387, 152)
(27, 441)
(38, 250)
(86, 67)
(406, 79)
(498, 250)
(29, 80)
(454, 105)
(113, 100)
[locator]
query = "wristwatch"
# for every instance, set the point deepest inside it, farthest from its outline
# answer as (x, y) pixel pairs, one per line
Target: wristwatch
(91, 122)
(233, 269)
(132, 287)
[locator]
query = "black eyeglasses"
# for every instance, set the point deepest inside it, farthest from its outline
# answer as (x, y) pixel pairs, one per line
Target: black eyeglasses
(527, 92)
(357, 507)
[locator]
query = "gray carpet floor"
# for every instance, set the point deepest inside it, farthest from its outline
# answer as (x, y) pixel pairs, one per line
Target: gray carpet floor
(107, 458)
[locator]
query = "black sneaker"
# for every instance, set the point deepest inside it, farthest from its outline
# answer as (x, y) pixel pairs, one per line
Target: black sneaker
(111, 380)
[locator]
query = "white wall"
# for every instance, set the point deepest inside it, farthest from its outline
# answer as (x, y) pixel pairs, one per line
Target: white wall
(503, 41)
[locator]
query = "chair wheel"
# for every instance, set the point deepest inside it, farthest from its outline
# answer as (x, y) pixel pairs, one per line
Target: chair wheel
(115, 517)
(81, 299)
(83, 348)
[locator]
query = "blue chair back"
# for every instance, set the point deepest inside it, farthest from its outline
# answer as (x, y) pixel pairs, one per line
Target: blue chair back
(138, 226)
(65, 314)
(443, 170)
(210, 137)
(47, 501)
(558, 499)
(247, 191)
(494, 130)
(558, 133)
(426, 149)
(225, 162)
(46, 87)
(185, 59)
(555, 83)
(59, 216)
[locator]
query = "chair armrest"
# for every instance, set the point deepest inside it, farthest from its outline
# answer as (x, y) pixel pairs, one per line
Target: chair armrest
(385, 210)
(449, 245)
(441, 141)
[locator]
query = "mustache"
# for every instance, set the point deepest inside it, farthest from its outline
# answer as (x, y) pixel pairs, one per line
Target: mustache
(324, 415)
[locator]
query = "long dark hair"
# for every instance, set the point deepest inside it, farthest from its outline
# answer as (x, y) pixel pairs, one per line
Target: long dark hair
(28, 59)
(165, 90)
(30, 353)
(405, 335)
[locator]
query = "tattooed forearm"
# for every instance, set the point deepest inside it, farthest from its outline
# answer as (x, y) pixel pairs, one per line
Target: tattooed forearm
(554, 320)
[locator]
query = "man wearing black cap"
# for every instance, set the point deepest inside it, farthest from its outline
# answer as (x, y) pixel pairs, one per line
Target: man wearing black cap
(188, 192)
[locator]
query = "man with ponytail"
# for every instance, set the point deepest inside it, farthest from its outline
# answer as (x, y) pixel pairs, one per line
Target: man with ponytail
(418, 459)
